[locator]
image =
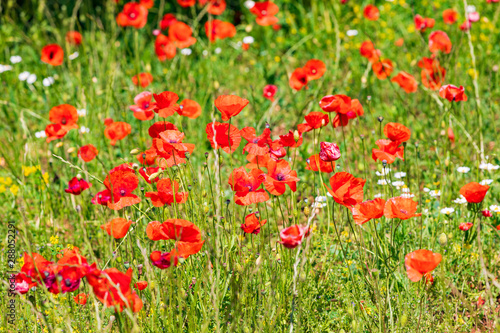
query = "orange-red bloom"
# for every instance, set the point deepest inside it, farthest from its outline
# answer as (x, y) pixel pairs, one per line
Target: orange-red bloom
(117, 227)
(450, 16)
(387, 151)
(453, 93)
(341, 119)
(314, 163)
(181, 35)
(81, 299)
(439, 41)
(368, 51)
(315, 69)
(432, 73)
(170, 147)
(422, 23)
(382, 69)
(406, 81)
(474, 192)
(279, 174)
(166, 193)
(143, 108)
(346, 189)
(190, 109)
(164, 48)
(293, 139)
(117, 131)
(120, 183)
(77, 186)
(397, 132)
(314, 120)
(257, 145)
(166, 104)
(269, 91)
(186, 3)
(293, 236)
(74, 37)
(88, 152)
(421, 262)
(52, 54)
(368, 210)
(371, 13)
(147, 3)
(217, 29)
(246, 186)
(216, 7)
(336, 103)
(142, 79)
(133, 15)
(265, 12)
(223, 135)
(141, 285)
(299, 79)
(54, 132)
(252, 224)
(230, 105)
(465, 226)
(64, 115)
(401, 208)
(167, 20)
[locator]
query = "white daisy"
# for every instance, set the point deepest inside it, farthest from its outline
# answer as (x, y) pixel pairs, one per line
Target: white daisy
(384, 172)
(447, 210)
(218, 50)
(495, 208)
(23, 76)
(460, 200)
(81, 112)
(186, 51)
(320, 199)
(48, 81)
(5, 68)
(400, 175)
(31, 79)
(427, 190)
(382, 182)
(463, 169)
(16, 59)
(435, 193)
(488, 166)
(40, 134)
(486, 181)
(398, 183)
(73, 56)
(249, 4)
(352, 33)
(84, 129)
(248, 40)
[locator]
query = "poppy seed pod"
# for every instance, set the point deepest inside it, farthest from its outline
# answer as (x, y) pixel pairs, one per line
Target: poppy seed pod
(329, 152)
(443, 239)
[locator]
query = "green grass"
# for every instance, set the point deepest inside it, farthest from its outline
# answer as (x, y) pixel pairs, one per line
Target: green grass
(343, 277)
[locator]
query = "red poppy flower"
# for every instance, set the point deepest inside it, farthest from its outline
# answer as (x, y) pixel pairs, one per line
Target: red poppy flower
(167, 21)
(217, 29)
(330, 152)
(52, 54)
(269, 91)
(336, 103)
(54, 132)
(365, 211)
(160, 260)
(439, 41)
(486, 213)
(279, 174)
(35, 266)
(164, 48)
(141, 285)
(64, 115)
(147, 3)
(259, 162)
(160, 126)
(133, 15)
(257, 145)
(190, 109)
(146, 172)
(346, 189)
(230, 105)
(314, 163)
(453, 93)
(314, 120)
(74, 37)
(81, 299)
(252, 224)
(368, 51)
(406, 81)
(401, 208)
(465, 226)
(399, 42)
(276, 149)
(450, 16)
(299, 79)
(433, 79)
(216, 7)
(77, 186)
(387, 151)
(466, 25)
(121, 182)
(112, 288)
(293, 236)
(181, 35)
(166, 192)
(88, 152)
(170, 147)
(144, 107)
(186, 3)
(474, 192)
(382, 69)
(451, 135)
(117, 131)
(223, 135)
(142, 79)
(397, 132)
(117, 227)
(315, 69)
(423, 23)
(356, 110)
(293, 139)
(166, 104)
(421, 262)
(265, 12)
(23, 283)
(371, 13)
(175, 229)
(246, 186)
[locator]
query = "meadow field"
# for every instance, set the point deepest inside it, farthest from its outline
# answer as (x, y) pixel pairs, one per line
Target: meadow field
(241, 166)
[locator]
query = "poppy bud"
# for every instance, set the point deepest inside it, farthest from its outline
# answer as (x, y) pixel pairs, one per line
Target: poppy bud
(135, 151)
(443, 239)
(135, 166)
(487, 213)
(70, 150)
(59, 145)
(139, 269)
(296, 135)
(206, 155)
(380, 119)
(78, 176)
(126, 264)
(329, 152)
(267, 125)
(307, 211)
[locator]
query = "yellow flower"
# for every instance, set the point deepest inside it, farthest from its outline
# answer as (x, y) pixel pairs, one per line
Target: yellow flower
(54, 240)
(28, 170)
(277, 59)
(2, 188)
(5, 180)
(70, 246)
(45, 177)
(14, 189)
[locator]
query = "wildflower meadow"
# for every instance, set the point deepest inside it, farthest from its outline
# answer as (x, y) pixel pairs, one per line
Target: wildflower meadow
(241, 166)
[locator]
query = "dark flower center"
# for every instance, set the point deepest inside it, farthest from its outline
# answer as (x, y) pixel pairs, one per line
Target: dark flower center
(63, 121)
(145, 105)
(280, 177)
(403, 211)
(123, 192)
